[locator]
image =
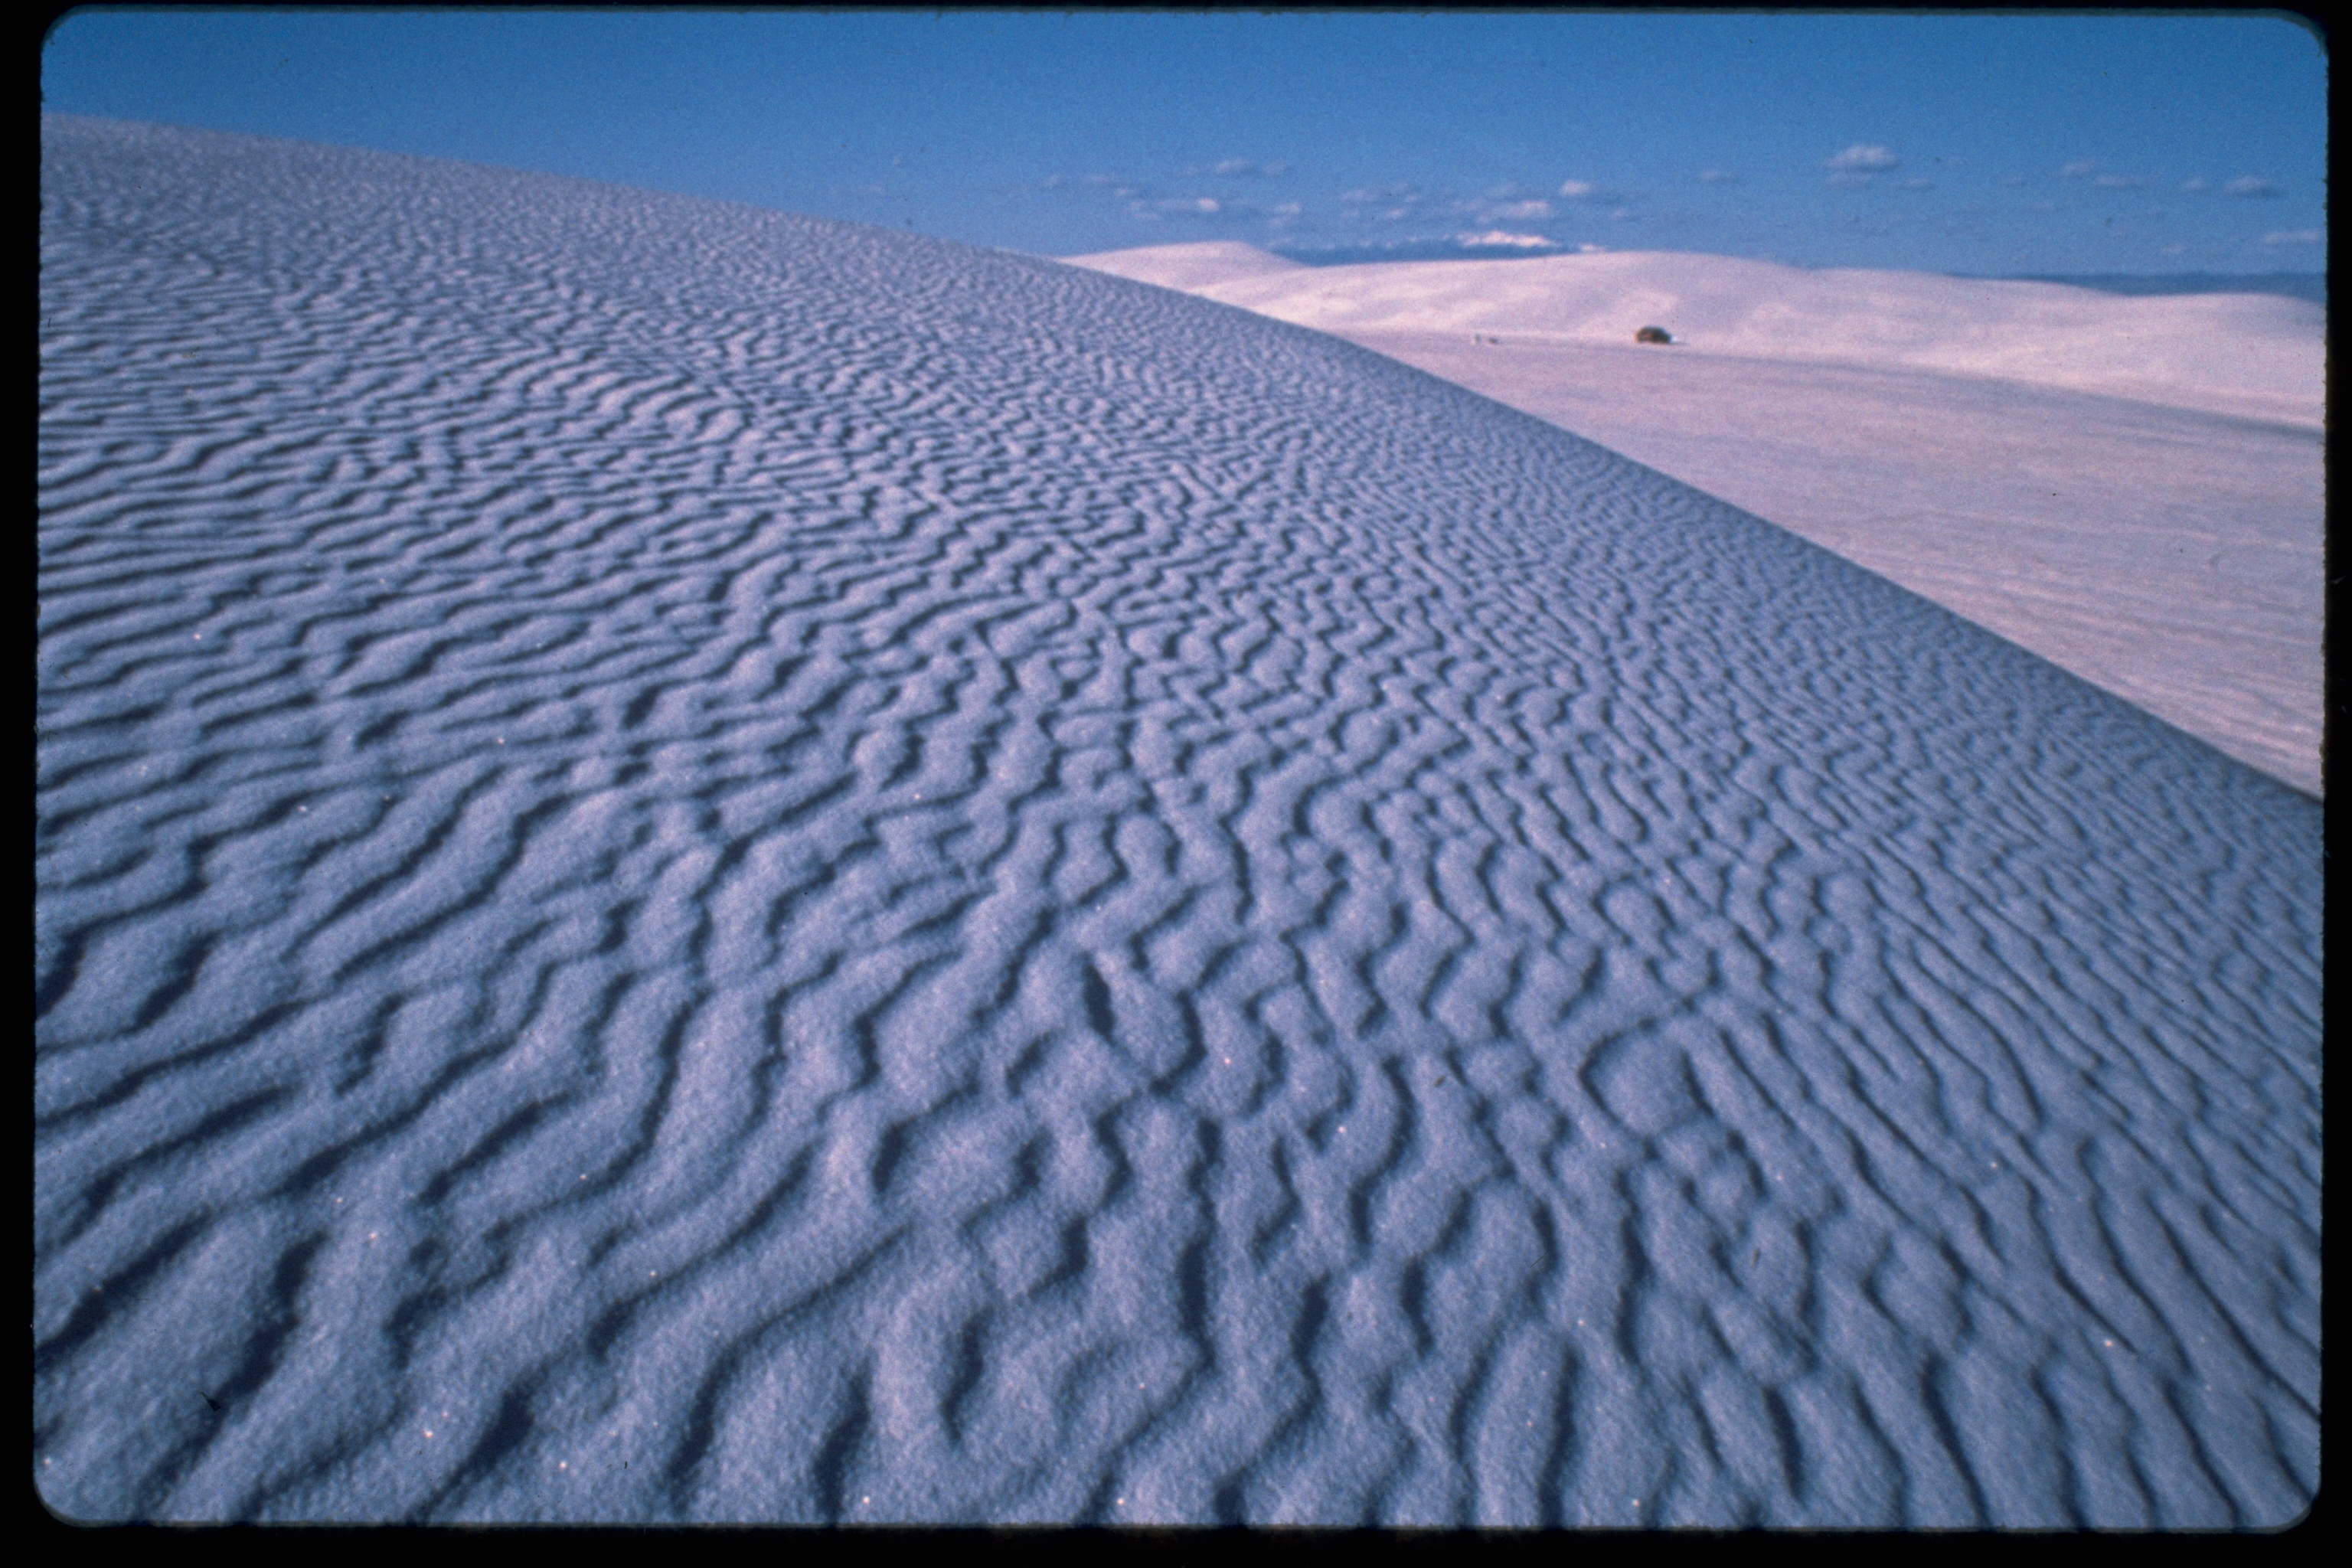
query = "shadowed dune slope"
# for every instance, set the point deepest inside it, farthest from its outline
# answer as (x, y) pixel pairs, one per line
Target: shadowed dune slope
(696, 865)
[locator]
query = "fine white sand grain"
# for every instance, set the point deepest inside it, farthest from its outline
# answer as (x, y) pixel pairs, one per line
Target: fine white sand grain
(694, 865)
(2132, 488)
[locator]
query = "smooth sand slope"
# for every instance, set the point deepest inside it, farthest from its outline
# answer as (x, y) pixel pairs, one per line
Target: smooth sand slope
(696, 865)
(2131, 488)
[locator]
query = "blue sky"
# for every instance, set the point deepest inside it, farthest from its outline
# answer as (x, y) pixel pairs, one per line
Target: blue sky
(1965, 144)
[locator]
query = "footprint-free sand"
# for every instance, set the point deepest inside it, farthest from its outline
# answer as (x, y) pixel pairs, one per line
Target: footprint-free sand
(695, 864)
(2133, 488)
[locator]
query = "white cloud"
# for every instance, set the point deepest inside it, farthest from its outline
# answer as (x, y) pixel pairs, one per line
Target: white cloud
(1381, 194)
(1576, 190)
(2293, 236)
(2173, 249)
(2198, 183)
(1202, 205)
(1859, 157)
(1718, 177)
(1117, 186)
(1918, 185)
(1242, 166)
(1519, 210)
(1591, 249)
(2118, 183)
(1497, 237)
(2077, 170)
(2251, 185)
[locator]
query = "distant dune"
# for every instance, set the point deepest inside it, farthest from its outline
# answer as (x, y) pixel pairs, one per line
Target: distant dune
(2253, 356)
(1192, 266)
(2310, 286)
(694, 865)
(2153, 535)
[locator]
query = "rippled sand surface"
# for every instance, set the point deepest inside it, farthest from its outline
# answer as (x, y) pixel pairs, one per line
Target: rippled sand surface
(2133, 488)
(697, 865)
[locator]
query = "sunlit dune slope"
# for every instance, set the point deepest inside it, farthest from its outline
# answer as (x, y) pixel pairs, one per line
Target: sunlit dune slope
(2251, 355)
(2144, 537)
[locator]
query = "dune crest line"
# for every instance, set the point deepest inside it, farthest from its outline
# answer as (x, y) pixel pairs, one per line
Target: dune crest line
(698, 865)
(2132, 488)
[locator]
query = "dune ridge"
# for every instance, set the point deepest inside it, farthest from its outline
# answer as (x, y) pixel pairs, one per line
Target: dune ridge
(2158, 545)
(699, 864)
(2257, 356)
(1193, 267)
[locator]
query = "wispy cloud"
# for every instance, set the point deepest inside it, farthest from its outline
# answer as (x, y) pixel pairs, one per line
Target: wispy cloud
(1398, 203)
(2081, 168)
(1114, 183)
(1249, 168)
(1213, 210)
(1495, 236)
(1918, 185)
(2293, 236)
(1596, 194)
(1861, 160)
(1507, 211)
(2118, 183)
(1860, 164)
(2251, 185)
(1718, 177)
(2198, 183)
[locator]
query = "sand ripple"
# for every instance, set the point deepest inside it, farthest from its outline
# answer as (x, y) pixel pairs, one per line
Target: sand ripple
(700, 865)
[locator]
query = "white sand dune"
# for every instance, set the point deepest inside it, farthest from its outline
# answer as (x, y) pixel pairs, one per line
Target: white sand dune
(1193, 268)
(2132, 488)
(2256, 356)
(698, 865)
